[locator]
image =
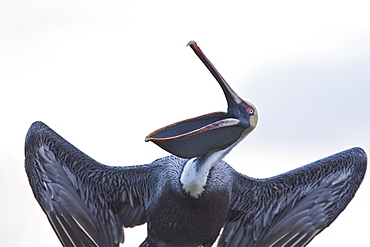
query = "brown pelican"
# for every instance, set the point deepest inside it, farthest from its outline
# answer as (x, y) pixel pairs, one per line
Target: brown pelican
(187, 198)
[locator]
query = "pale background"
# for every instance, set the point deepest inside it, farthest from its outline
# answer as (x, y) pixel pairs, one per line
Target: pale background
(104, 74)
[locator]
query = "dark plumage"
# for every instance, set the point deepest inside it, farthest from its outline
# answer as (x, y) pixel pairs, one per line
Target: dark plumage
(77, 192)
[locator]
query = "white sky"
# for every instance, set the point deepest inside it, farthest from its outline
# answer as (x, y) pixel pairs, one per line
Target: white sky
(104, 74)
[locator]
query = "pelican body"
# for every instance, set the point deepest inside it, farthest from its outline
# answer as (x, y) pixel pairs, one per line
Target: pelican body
(188, 197)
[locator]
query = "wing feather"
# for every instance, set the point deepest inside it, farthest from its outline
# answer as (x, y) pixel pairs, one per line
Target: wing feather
(87, 203)
(292, 208)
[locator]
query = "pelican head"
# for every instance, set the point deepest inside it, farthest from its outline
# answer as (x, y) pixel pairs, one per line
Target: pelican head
(206, 134)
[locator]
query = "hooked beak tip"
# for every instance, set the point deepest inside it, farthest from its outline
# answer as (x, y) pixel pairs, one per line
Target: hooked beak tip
(147, 139)
(191, 43)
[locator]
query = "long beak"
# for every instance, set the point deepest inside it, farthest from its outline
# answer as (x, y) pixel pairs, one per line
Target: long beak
(204, 134)
(232, 98)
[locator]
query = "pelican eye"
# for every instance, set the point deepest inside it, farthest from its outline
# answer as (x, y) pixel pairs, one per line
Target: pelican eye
(250, 110)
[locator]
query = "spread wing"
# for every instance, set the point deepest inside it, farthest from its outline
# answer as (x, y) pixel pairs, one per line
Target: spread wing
(292, 208)
(87, 203)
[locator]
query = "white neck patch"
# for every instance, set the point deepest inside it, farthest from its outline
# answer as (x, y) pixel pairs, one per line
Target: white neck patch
(195, 173)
